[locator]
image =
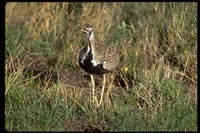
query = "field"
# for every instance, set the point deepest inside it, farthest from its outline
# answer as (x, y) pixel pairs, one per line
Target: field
(153, 89)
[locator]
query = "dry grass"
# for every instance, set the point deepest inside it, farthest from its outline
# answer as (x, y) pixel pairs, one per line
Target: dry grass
(157, 74)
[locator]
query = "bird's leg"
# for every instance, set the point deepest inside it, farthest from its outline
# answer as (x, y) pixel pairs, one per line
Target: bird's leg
(103, 86)
(93, 85)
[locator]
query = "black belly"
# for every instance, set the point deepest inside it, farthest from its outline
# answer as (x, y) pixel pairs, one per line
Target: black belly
(87, 65)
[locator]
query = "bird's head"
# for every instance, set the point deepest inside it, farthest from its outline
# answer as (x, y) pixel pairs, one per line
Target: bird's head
(88, 31)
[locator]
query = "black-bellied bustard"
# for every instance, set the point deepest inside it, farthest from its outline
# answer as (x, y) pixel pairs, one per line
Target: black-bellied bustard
(97, 58)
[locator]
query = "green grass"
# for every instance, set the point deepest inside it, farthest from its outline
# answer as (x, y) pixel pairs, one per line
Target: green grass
(158, 68)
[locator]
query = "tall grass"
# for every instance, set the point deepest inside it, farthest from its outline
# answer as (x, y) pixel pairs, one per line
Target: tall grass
(153, 89)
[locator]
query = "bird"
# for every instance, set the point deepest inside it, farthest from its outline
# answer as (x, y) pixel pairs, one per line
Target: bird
(97, 59)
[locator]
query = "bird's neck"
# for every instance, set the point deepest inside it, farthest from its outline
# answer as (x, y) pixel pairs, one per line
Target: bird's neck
(91, 44)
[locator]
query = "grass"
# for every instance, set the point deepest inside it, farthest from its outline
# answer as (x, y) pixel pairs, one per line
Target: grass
(153, 89)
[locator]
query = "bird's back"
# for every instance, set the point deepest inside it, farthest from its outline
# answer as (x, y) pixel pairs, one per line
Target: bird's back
(107, 54)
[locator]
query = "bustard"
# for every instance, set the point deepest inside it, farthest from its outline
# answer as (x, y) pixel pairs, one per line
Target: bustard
(97, 58)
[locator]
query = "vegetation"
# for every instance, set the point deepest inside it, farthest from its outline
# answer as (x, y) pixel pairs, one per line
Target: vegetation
(153, 89)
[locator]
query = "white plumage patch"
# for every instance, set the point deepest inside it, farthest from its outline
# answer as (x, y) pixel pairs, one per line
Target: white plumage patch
(94, 62)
